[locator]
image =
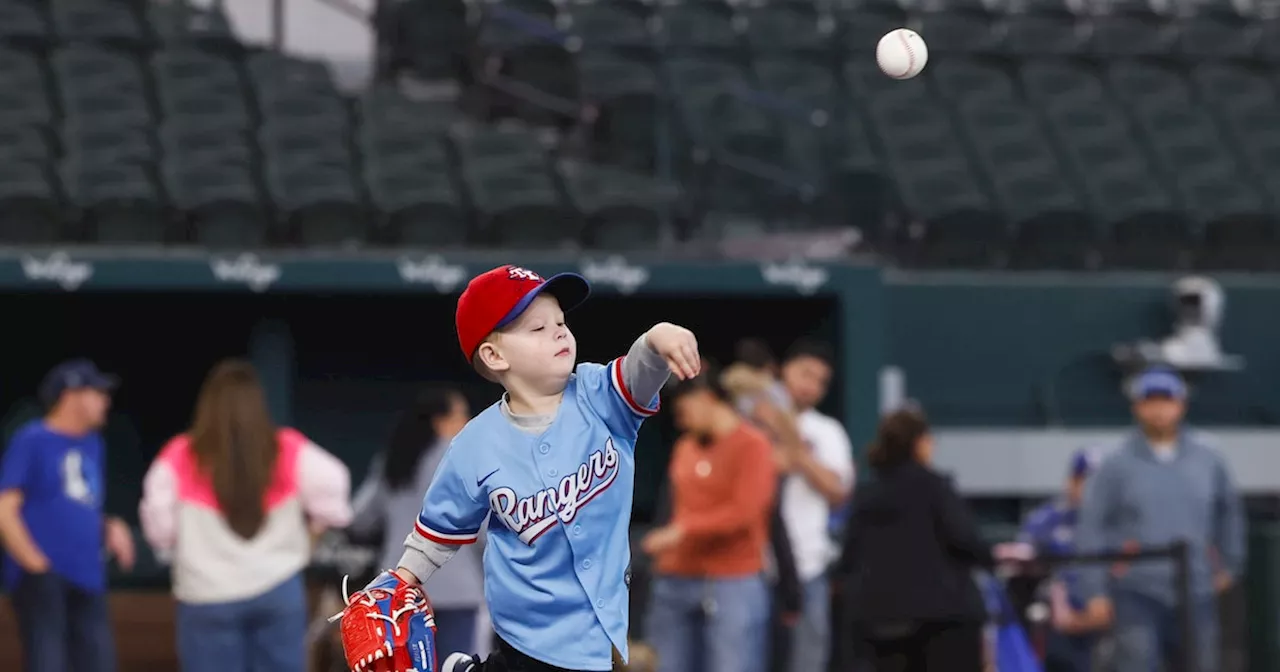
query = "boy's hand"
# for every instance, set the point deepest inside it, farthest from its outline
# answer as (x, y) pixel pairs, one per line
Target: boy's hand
(678, 347)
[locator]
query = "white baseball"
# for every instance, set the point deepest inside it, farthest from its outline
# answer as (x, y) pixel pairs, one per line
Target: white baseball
(901, 54)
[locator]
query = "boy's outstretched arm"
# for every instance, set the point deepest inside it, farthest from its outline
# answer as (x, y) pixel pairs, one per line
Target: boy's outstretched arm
(663, 350)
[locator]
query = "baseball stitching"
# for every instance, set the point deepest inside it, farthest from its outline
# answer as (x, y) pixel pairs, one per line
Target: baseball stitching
(911, 54)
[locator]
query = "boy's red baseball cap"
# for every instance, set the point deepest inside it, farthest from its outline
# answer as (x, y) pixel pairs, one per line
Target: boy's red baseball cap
(494, 299)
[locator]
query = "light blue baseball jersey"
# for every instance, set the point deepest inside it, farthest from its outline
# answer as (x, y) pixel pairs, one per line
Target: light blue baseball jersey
(558, 544)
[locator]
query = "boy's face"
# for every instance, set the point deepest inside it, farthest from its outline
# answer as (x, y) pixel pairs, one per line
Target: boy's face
(537, 347)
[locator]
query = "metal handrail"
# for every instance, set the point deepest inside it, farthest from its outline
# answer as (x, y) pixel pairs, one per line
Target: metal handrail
(536, 97)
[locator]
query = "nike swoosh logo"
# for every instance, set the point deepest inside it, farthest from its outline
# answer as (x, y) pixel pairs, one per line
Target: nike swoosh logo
(481, 481)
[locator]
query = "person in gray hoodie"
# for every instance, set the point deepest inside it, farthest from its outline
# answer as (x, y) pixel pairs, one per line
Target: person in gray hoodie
(393, 491)
(1164, 484)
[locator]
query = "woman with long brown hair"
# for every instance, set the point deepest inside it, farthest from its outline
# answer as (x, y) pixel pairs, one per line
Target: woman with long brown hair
(232, 504)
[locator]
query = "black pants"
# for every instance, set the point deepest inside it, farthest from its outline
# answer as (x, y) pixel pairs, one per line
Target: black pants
(507, 659)
(928, 647)
(62, 627)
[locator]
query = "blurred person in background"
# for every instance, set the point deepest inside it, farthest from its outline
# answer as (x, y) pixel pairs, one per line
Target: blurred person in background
(1050, 529)
(1163, 485)
(710, 604)
(233, 504)
(393, 491)
(753, 378)
(752, 384)
(52, 487)
(817, 460)
(910, 548)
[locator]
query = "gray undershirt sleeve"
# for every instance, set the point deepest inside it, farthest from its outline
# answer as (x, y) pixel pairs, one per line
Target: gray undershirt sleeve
(423, 557)
(644, 371)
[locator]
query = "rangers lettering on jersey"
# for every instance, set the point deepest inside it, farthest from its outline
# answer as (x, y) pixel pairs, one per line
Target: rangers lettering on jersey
(529, 517)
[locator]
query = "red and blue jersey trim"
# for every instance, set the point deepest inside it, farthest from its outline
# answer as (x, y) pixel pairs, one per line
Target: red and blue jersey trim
(620, 386)
(448, 538)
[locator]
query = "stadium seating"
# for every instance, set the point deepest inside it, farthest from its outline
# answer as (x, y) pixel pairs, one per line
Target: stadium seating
(112, 23)
(622, 210)
(507, 174)
(406, 168)
(1043, 134)
(23, 23)
(148, 123)
(625, 95)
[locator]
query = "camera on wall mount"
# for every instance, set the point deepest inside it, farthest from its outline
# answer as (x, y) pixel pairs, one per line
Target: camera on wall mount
(1193, 348)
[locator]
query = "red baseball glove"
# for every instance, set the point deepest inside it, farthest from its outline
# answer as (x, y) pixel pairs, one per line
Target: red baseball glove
(389, 627)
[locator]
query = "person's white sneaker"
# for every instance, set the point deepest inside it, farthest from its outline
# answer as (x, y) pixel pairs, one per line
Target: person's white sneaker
(460, 662)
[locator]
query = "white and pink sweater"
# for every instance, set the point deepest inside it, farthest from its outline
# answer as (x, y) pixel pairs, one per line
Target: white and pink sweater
(183, 523)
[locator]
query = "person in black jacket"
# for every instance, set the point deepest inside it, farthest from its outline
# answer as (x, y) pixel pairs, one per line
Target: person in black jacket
(905, 569)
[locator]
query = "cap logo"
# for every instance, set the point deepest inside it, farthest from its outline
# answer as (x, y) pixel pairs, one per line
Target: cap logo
(517, 273)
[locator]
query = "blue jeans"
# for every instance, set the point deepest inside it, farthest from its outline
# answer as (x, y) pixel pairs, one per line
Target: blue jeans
(455, 631)
(811, 637)
(1146, 633)
(62, 627)
(261, 634)
(709, 625)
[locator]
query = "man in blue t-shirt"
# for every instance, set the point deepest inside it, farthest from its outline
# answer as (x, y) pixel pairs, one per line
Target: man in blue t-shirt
(52, 484)
(1051, 529)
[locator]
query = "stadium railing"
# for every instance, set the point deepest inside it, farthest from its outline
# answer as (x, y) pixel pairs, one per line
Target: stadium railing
(1177, 553)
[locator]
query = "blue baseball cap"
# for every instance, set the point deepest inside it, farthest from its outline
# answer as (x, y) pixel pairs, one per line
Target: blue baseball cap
(1084, 462)
(75, 374)
(1157, 382)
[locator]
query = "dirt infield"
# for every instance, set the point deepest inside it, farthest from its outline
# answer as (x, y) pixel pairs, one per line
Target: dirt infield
(143, 624)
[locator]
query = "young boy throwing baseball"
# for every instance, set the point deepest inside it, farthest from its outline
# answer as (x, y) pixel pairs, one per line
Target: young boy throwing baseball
(553, 462)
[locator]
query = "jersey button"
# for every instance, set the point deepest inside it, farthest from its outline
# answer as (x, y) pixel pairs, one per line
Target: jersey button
(600, 604)
(544, 449)
(577, 530)
(586, 564)
(552, 471)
